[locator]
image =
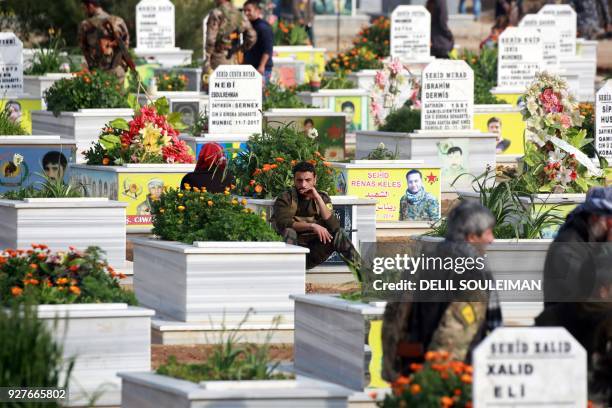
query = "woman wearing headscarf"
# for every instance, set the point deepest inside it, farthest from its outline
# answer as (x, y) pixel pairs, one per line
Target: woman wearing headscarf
(210, 170)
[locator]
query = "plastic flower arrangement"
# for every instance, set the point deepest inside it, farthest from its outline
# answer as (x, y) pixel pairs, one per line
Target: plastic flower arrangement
(386, 95)
(152, 136)
(40, 276)
(439, 382)
(555, 139)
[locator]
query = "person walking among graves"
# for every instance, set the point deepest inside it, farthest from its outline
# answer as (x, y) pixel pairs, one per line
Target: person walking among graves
(578, 239)
(442, 40)
(210, 171)
(588, 18)
(304, 216)
(476, 7)
(260, 55)
(104, 40)
(512, 9)
(301, 13)
(225, 26)
(455, 322)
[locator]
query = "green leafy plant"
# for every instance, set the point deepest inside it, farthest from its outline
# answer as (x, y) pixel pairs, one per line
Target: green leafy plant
(438, 383)
(517, 214)
(200, 125)
(30, 355)
(41, 277)
(171, 82)
(86, 90)
(404, 119)
(49, 188)
(231, 360)
(196, 215)
(277, 97)
(264, 168)
(338, 81)
(289, 34)
(484, 66)
(382, 153)
(48, 57)
(8, 126)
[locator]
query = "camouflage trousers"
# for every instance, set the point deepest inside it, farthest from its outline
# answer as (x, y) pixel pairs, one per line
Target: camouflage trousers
(319, 252)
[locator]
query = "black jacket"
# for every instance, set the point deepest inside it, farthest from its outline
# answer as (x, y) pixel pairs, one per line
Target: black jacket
(442, 40)
(212, 180)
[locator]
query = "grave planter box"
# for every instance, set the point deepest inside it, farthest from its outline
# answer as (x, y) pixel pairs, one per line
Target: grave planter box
(478, 151)
(37, 84)
(289, 71)
(216, 283)
(586, 68)
(33, 149)
(63, 222)
(363, 79)
(306, 53)
(194, 76)
(142, 390)
(331, 339)
(166, 57)
(105, 339)
(133, 184)
(513, 260)
(83, 126)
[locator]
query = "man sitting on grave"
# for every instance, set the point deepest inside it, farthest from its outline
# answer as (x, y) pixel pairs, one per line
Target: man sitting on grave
(417, 204)
(305, 217)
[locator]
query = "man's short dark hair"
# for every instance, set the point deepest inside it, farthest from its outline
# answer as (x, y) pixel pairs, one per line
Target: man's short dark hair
(94, 2)
(304, 166)
(454, 149)
(54, 157)
(307, 120)
(347, 104)
(493, 120)
(254, 3)
(414, 171)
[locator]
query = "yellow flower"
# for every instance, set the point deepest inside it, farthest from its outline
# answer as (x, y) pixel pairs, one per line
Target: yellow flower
(187, 186)
(210, 203)
(243, 201)
(181, 208)
(153, 139)
(161, 210)
(180, 195)
(234, 201)
(226, 192)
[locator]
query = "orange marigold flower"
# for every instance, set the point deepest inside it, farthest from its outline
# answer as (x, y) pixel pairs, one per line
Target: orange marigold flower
(16, 291)
(279, 159)
(2, 260)
(258, 189)
(75, 290)
(42, 257)
(105, 161)
(457, 392)
(415, 388)
(402, 380)
(122, 276)
(466, 378)
(266, 167)
(327, 164)
(293, 162)
(33, 266)
(416, 367)
(34, 282)
(63, 281)
(446, 401)
(210, 203)
(444, 354)
(273, 166)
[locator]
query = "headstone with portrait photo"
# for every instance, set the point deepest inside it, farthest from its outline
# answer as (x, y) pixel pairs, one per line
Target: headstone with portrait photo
(603, 121)
(11, 64)
(235, 101)
(411, 34)
(529, 366)
(520, 57)
(155, 34)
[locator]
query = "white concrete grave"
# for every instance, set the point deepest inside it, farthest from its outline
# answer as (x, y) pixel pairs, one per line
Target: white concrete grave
(603, 121)
(11, 64)
(521, 56)
(411, 34)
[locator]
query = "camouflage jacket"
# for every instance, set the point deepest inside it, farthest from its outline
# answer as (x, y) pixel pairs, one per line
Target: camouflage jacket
(290, 207)
(223, 29)
(421, 206)
(98, 45)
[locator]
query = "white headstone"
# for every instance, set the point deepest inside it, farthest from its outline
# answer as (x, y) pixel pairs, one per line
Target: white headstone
(447, 96)
(234, 96)
(154, 24)
(530, 367)
(565, 20)
(603, 121)
(11, 64)
(550, 38)
(410, 33)
(521, 56)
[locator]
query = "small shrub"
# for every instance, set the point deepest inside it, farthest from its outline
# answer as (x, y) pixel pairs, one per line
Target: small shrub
(404, 119)
(171, 82)
(277, 97)
(50, 188)
(382, 153)
(9, 126)
(86, 90)
(289, 34)
(196, 215)
(39, 276)
(48, 58)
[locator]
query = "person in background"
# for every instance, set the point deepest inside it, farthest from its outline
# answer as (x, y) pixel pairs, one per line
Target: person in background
(98, 44)
(589, 13)
(476, 6)
(210, 171)
(260, 55)
(500, 25)
(442, 40)
(455, 322)
(301, 13)
(512, 9)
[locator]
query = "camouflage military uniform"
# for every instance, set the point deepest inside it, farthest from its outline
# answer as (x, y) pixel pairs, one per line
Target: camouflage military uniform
(223, 29)
(421, 206)
(289, 207)
(98, 45)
